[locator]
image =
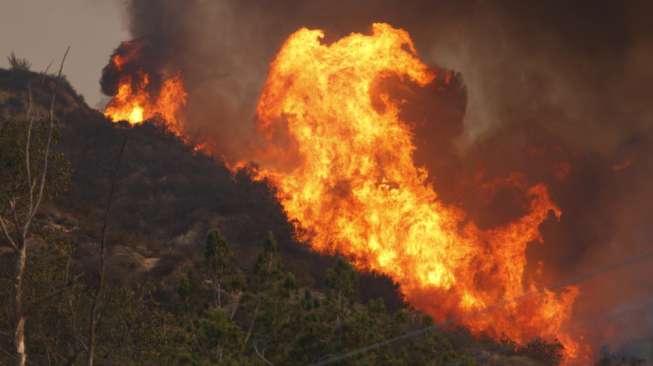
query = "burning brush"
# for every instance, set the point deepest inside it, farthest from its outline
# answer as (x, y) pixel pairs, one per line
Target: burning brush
(141, 89)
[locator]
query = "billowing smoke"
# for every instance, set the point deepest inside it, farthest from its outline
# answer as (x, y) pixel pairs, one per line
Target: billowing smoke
(555, 91)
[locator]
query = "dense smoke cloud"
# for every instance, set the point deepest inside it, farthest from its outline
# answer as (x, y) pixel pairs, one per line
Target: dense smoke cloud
(556, 91)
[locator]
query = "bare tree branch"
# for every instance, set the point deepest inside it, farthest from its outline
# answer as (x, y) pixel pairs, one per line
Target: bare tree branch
(251, 325)
(14, 212)
(8, 236)
(46, 153)
(22, 235)
(261, 355)
(47, 68)
(28, 142)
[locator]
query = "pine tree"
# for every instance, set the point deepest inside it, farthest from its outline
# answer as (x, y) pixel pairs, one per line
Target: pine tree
(222, 271)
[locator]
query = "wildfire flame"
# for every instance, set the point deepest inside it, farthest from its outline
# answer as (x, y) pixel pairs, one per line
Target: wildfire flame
(346, 177)
(135, 102)
(350, 184)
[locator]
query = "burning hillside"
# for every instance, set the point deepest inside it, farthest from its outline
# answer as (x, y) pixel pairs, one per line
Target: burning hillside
(341, 159)
(484, 165)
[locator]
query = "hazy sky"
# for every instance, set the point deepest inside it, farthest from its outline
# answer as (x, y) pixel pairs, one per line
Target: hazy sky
(40, 30)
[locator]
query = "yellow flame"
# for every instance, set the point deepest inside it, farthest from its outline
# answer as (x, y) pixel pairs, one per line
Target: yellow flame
(137, 104)
(348, 181)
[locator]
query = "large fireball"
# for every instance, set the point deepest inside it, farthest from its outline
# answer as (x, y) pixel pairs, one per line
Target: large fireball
(347, 178)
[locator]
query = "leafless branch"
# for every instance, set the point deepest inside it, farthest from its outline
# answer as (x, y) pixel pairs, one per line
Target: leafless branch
(251, 325)
(28, 143)
(23, 233)
(261, 355)
(46, 153)
(8, 236)
(45, 72)
(14, 211)
(235, 304)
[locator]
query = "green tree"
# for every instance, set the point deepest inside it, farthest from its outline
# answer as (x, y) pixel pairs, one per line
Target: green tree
(342, 287)
(223, 273)
(272, 306)
(188, 289)
(342, 282)
(220, 338)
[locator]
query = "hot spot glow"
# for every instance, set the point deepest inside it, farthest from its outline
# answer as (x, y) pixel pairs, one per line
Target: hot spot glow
(136, 101)
(348, 181)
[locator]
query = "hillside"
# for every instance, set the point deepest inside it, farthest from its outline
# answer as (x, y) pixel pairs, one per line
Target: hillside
(167, 199)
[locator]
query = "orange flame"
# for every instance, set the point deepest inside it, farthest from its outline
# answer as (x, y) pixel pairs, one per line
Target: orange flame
(353, 188)
(135, 103)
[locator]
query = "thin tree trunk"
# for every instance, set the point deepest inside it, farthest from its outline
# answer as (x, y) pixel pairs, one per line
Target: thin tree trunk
(251, 325)
(235, 303)
(261, 355)
(19, 315)
(91, 336)
(22, 226)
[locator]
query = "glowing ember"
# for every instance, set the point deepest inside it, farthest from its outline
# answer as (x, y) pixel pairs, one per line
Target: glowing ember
(353, 188)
